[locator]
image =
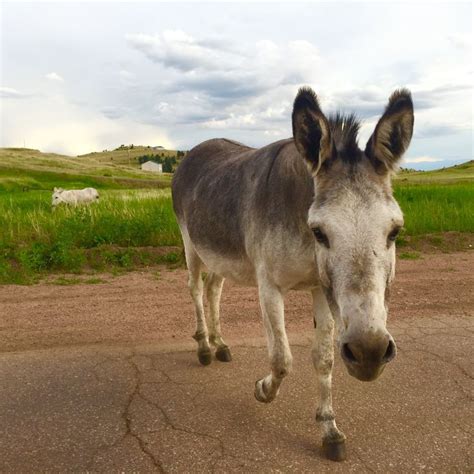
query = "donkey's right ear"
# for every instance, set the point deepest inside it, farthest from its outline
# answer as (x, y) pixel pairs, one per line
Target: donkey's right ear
(311, 129)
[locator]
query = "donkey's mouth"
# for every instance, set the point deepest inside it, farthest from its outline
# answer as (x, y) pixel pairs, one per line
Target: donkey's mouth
(365, 374)
(367, 362)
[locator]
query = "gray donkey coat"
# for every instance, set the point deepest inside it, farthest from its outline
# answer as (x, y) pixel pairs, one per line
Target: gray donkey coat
(313, 212)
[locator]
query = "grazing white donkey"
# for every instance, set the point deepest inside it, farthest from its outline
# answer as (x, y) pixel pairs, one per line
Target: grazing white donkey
(74, 196)
(314, 212)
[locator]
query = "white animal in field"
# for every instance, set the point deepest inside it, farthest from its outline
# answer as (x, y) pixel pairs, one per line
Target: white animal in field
(74, 196)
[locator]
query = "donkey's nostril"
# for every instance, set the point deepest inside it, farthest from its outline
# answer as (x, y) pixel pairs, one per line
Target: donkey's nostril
(348, 354)
(390, 352)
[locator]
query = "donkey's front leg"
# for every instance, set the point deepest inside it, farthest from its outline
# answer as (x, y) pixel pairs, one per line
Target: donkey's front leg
(271, 302)
(323, 359)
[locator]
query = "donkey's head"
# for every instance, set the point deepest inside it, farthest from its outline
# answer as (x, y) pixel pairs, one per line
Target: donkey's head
(56, 198)
(355, 221)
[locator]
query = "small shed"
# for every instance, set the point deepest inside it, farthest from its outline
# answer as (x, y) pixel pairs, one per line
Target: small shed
(152, 166)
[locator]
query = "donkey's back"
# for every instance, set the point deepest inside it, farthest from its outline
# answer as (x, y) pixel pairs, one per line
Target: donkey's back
(234, 202)
(206, 195)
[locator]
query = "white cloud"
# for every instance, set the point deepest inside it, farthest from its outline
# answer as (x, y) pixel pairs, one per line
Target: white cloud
(241, 121)
(178, 50)
(227, 69)
(55, 125)
(422, 159)
(223, 83)
(126, 74)
(460, 40)
(10, 93)
(53, 76)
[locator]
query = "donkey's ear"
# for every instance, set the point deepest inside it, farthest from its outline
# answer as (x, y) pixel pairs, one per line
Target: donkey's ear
(393, 132)
(311, 129)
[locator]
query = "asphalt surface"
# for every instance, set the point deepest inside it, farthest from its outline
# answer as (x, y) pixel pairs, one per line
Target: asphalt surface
(150, 408)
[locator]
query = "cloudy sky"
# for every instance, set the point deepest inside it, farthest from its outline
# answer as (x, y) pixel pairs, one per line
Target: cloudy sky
(79, 77)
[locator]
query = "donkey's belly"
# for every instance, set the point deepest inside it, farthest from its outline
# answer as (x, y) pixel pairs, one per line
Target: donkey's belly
(239, 270)
(287, 274)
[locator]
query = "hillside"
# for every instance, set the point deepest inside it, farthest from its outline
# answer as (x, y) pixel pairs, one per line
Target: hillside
(457, 173)
(126, 155)
(23, 168)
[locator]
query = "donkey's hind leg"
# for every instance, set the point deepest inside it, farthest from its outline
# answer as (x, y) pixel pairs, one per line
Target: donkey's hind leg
(196, 287)
(214, 285)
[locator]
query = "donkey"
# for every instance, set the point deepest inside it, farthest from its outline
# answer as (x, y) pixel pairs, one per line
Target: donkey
(74, 197)
(313, 212)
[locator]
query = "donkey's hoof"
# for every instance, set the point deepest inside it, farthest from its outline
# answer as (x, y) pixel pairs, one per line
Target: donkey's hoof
(223, 354)
(260, 394)
(205, 357)
(335, 450)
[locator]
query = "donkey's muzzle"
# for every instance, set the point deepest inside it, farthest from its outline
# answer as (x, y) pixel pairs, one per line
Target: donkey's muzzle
(366, 359)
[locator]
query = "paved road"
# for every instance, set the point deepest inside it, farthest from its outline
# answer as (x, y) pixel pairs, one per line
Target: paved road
(145, 409)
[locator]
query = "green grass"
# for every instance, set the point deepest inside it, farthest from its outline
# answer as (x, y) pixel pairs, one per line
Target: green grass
(431, 208)
(121, 231)
(409, 255)
(126, 227)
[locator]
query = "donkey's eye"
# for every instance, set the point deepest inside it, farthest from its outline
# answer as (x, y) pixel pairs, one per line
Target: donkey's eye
(393, 234)
(320, 236)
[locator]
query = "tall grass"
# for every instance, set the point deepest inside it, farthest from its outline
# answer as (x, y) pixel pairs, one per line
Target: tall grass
(35, 238)
(430, 208)
(126, 225)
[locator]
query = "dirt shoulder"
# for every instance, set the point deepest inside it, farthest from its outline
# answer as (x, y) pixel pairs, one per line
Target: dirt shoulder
(155, 306)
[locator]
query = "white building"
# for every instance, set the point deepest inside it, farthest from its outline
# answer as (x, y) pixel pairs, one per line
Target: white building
(152, 166)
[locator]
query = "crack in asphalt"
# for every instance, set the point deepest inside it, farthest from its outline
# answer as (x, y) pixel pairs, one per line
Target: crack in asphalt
(463, 389)
(128, 419)
(439, 357)
(125, 416)
(135, 394)
(172, 425)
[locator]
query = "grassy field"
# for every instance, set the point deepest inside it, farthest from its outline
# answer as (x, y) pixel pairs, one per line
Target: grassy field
(430, 208)
(120, 232)
(135, 227)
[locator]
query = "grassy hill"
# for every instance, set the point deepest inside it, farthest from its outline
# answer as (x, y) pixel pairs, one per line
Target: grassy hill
(125, 155)
(25, 169)
(457, 173)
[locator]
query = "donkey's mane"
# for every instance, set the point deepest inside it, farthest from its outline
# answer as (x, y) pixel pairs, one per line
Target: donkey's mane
(344, 129)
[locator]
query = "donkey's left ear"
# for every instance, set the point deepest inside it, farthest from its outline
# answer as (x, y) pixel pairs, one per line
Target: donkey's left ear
(393, 132)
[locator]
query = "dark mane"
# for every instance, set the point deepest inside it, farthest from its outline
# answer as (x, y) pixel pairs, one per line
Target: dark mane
(344, 129)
